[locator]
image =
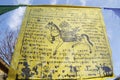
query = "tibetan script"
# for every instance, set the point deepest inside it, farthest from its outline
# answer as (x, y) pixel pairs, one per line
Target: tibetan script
(60, 42)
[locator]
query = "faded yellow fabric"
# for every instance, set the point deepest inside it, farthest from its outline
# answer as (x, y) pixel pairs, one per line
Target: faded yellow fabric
(94, 79)
(61, 42)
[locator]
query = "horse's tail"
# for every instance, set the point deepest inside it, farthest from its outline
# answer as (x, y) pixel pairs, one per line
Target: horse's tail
(88, 39)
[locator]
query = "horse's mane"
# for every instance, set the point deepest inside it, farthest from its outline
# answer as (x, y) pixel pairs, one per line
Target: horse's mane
(51, 23)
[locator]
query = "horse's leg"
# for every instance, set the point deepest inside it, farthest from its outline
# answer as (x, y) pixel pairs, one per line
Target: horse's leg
(59, 44)
(82, 43)
(89, 43)
(75, 44)
(89, 48)
(78, 43)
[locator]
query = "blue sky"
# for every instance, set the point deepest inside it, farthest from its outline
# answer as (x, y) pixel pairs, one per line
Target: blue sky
(101, 3)
(112, 21)
(13, 20)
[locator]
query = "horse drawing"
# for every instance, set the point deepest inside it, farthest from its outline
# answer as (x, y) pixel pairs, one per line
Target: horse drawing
(66, 35)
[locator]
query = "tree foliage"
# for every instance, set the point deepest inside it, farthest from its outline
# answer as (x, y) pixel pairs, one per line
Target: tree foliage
(7, 44)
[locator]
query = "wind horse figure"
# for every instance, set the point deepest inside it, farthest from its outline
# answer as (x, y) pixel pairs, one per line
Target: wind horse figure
(67, 36)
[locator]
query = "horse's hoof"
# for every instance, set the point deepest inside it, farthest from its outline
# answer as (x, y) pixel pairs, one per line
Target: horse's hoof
(72, 46)
(54, 53)
(51, 42)
(90, 51)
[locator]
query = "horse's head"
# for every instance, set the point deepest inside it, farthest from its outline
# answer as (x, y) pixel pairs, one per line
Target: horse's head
(48, 26)
(54, 30)
(51, 26)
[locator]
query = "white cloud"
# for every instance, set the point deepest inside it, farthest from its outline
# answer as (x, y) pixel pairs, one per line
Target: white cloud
(15, 19)
(67, 1)
(24, 1)
(83, 2)
(53, 2)
(110, 33)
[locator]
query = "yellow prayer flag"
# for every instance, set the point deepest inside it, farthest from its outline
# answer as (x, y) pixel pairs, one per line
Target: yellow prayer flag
(62, 42)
